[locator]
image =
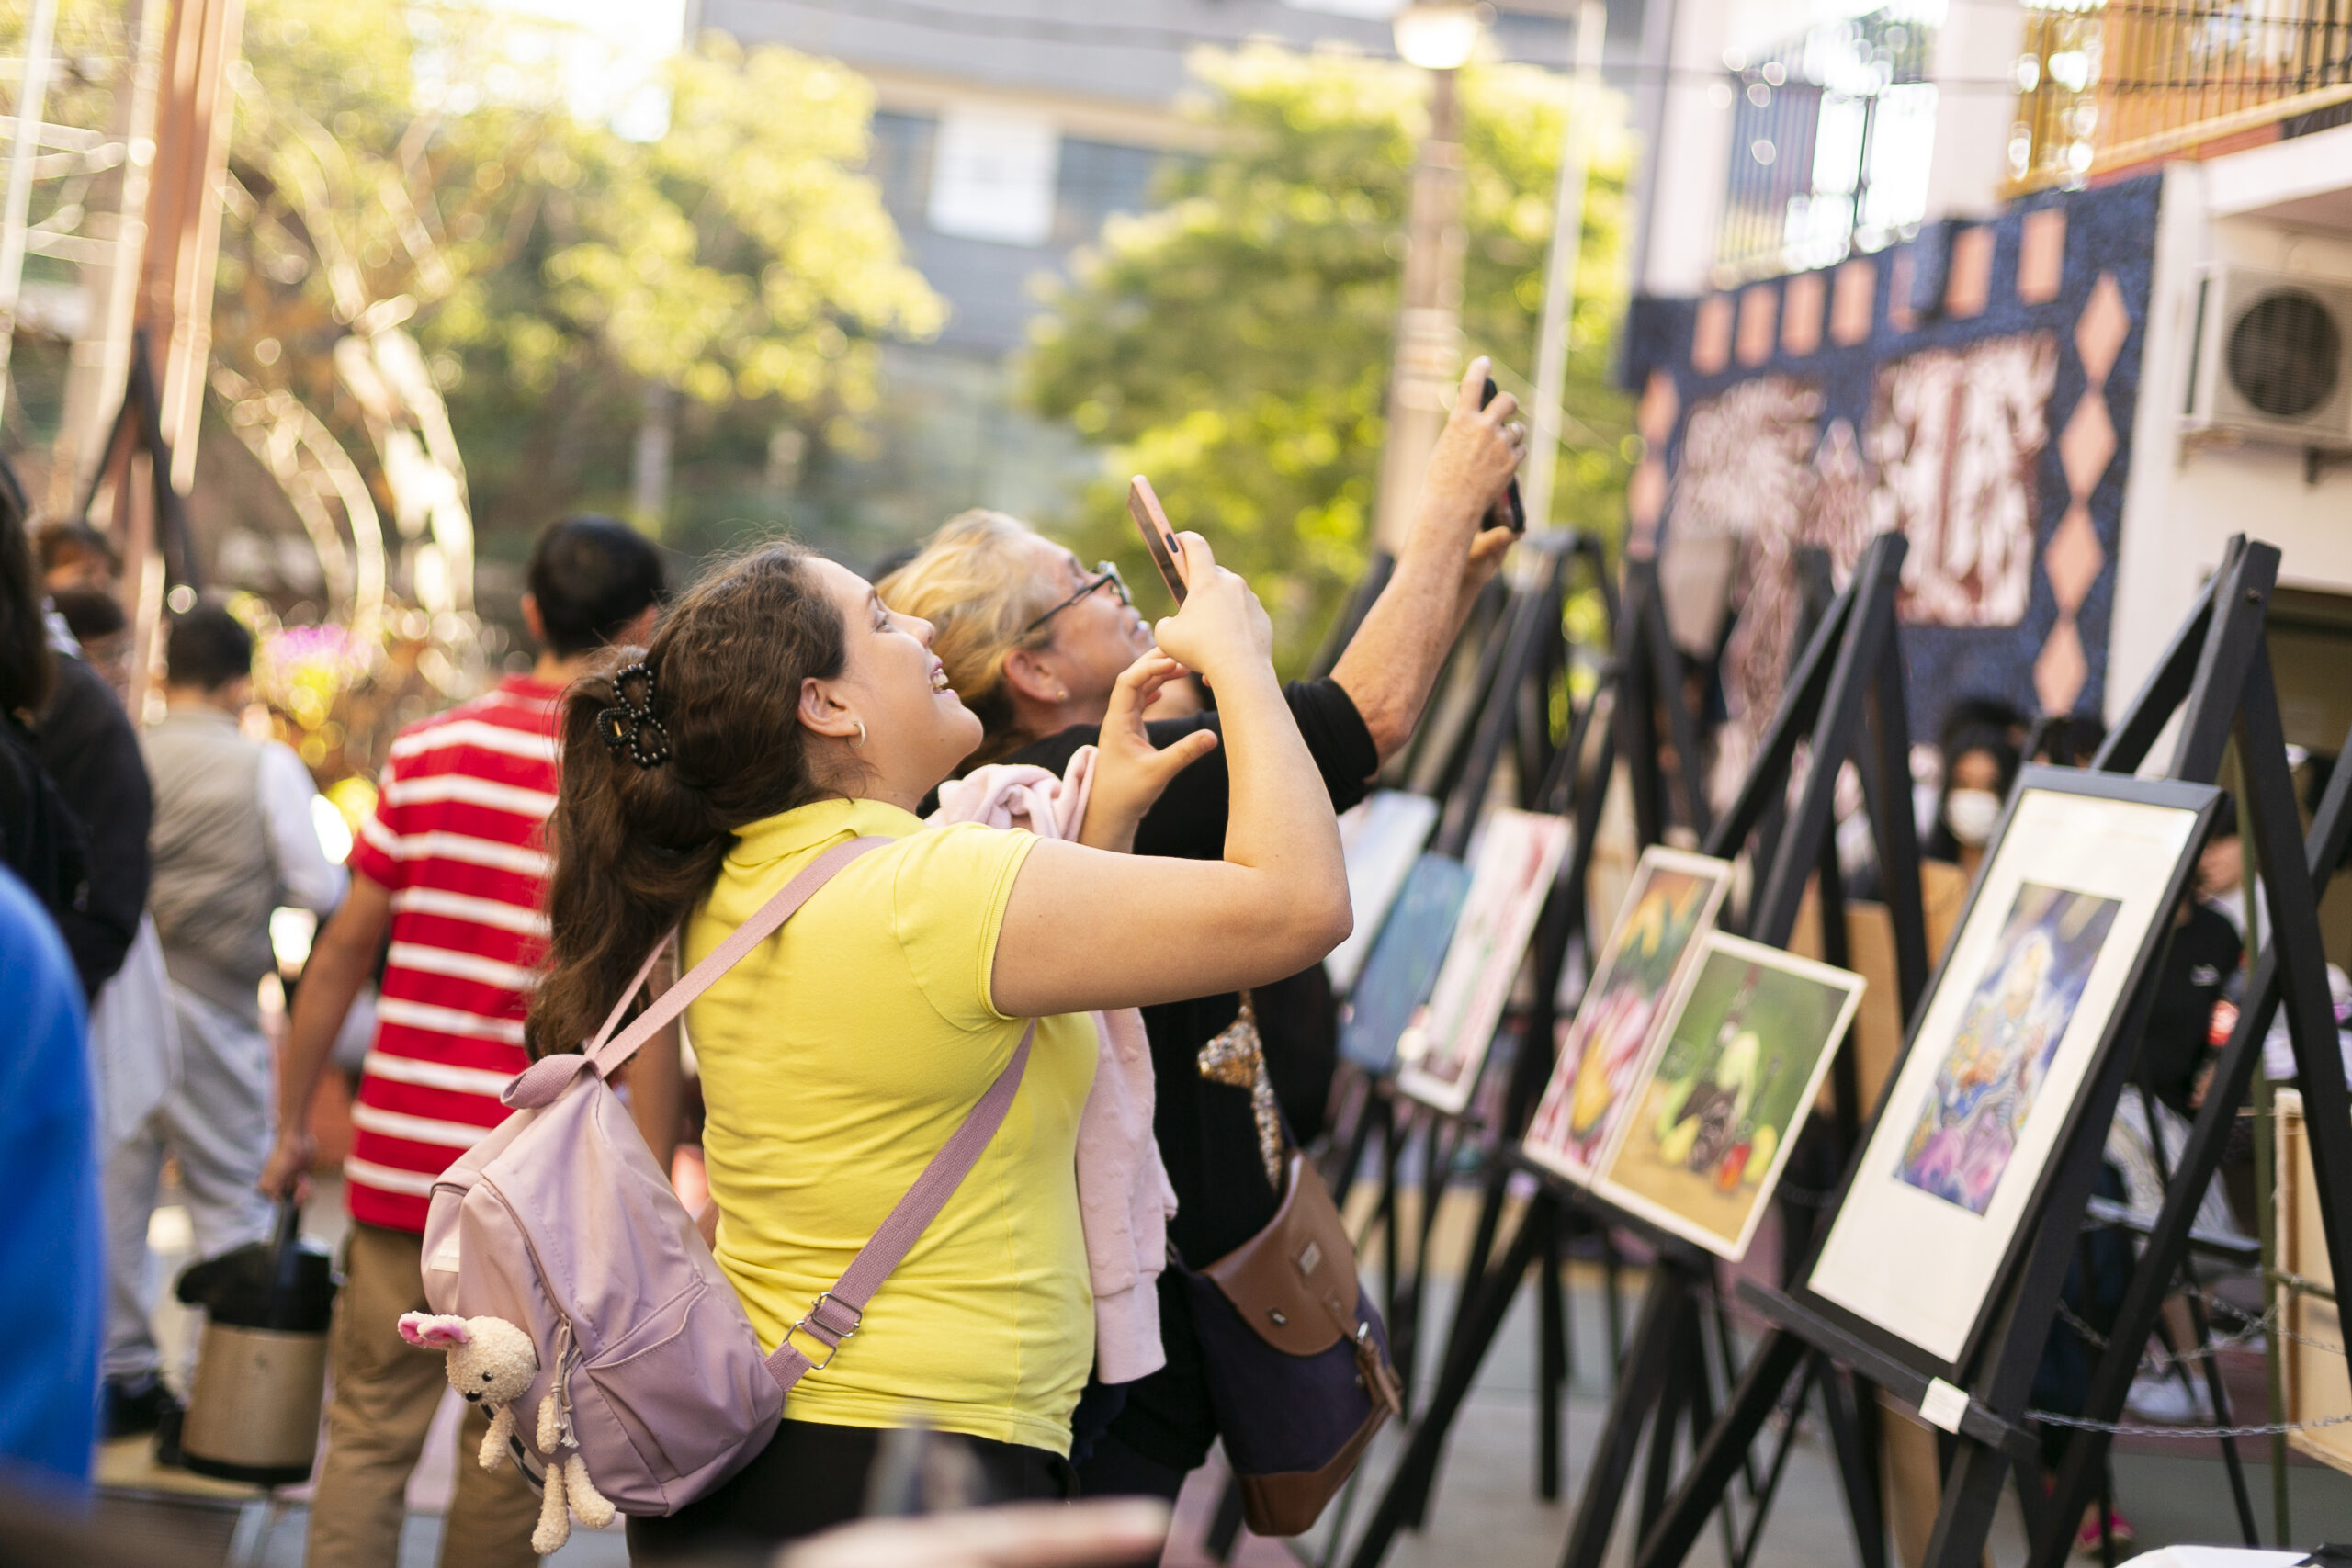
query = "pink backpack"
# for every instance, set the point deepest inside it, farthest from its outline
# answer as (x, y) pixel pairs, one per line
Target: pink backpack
(560, 1223)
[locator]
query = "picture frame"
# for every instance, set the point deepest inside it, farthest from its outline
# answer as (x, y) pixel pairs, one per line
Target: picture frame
(1513, 870)
(1669, 905)
(1732, 1072)
(2054, 950)
(1397, 978)
(1380, 838)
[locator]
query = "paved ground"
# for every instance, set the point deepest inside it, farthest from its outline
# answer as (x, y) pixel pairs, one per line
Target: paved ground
(1484, 1511)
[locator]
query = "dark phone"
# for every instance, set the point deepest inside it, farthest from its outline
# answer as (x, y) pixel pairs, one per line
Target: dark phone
(1143, 505)
(1506, 513)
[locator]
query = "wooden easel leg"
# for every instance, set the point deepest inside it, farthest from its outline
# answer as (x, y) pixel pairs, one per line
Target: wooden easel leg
(1406, 1497)
(1674, 1403)
(1391, 1242)
(1438, 1146)
(1551, 1355)
(1351, 1129)
(1720, 1452)
(1972, 1491)
(1857, 1466)
(1762, 1495)
(2167, 1244)
(1702, 1407)
(1611, 1268)
(1642, 1385)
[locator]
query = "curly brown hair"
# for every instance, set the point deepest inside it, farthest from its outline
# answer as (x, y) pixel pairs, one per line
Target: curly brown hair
(636, 848)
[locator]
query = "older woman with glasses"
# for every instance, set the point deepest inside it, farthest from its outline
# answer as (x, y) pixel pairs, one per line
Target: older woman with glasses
(1033, 641)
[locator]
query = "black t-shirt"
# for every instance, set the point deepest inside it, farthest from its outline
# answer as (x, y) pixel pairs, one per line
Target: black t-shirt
(1207, 1136)
(2203, 955)
(87, 746)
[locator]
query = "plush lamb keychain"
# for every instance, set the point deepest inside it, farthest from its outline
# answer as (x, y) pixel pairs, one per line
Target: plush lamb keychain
(491, 1363)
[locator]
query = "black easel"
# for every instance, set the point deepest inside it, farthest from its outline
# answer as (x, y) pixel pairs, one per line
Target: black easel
(2292, 961)
(1522, 657)
(2216, 674)
(1850, 674)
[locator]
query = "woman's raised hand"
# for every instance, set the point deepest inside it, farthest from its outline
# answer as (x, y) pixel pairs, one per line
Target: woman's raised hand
(1221, 630)
(1129, 770)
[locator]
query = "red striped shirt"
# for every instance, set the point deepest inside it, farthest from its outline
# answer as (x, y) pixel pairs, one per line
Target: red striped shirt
(458, 840)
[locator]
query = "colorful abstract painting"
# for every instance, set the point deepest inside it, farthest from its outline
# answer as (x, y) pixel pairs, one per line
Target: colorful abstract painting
(1672, 901)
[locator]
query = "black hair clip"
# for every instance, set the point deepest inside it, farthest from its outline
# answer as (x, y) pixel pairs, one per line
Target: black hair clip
(632, 726)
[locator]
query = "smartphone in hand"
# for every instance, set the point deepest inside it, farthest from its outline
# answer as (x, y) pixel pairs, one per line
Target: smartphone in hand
(1506, 513)
(1143, 505)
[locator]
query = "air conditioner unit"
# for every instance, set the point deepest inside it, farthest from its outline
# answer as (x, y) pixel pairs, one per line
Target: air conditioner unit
(2273, 358)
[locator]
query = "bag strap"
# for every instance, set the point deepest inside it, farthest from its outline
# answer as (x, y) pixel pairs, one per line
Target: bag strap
(834, 1316)
(605, 1059)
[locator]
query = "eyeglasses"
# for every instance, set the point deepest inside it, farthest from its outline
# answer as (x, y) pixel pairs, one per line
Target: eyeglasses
(1109, 578)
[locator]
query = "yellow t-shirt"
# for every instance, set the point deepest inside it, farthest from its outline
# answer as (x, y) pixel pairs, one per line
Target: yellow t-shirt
(837, 1059)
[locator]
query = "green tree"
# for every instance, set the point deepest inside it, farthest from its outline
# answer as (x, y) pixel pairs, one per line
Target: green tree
(1235, 344)
(411, 169)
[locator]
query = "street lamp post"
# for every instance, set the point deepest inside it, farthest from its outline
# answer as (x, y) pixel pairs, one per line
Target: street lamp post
(1438, 36)
(1560, 273)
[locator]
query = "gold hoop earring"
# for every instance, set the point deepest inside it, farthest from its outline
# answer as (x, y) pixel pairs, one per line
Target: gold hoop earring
(861, 734)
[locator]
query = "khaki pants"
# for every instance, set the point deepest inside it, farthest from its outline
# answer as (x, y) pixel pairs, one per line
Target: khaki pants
(385, 1393)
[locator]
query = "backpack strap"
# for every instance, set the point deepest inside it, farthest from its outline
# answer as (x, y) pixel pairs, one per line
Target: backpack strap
(606, 1059)
(834, 1316)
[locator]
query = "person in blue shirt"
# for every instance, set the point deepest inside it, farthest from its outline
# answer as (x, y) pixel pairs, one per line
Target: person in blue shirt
(49, 1250)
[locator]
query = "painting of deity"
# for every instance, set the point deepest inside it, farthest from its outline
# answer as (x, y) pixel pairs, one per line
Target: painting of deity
(1961, 1145)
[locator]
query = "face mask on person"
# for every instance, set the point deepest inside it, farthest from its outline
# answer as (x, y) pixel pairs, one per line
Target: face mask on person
(1972, 814)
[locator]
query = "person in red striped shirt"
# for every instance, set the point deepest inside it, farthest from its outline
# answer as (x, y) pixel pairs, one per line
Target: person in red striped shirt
(452, 868)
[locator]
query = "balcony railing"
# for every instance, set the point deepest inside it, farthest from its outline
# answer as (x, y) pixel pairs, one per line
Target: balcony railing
(2103, 87)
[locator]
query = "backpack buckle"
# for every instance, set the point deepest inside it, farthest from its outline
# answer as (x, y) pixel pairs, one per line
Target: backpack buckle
(823, 1333)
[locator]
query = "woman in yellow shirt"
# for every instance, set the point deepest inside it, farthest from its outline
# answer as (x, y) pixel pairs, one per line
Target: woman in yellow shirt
(790, 711)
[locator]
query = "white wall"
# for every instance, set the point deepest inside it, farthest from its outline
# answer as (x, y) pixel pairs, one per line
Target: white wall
(1694, 141)
(1978, 42)
(2182, 501)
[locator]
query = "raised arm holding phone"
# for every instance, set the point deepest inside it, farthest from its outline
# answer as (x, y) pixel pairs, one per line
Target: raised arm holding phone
(1036, 642)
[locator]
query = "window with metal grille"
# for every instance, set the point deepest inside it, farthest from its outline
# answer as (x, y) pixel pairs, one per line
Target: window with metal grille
(1831, 134)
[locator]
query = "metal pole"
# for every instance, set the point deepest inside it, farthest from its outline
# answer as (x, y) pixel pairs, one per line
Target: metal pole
(101, 361)
(32, 101)
(1560, 276)
(1420, 382)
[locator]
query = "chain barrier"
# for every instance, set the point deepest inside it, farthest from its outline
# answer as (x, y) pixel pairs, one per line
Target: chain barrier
(2127, 1429)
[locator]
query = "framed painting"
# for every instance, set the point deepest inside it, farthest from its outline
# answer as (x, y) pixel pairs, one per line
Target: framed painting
(1715, 1107)
(1380, 837)
(1403, 967)
(2083, 880)
(1517, 861)
(1669, 905)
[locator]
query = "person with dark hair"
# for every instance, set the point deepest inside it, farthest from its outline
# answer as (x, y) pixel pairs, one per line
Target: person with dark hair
(588, 578)
(783, 711)
(97, 622)
(452, 868)
(41, 838)
(233, 838)
(1980, 763)
(74, 555)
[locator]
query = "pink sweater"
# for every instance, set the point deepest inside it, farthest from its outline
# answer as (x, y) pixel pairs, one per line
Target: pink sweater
(1124, 1196)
